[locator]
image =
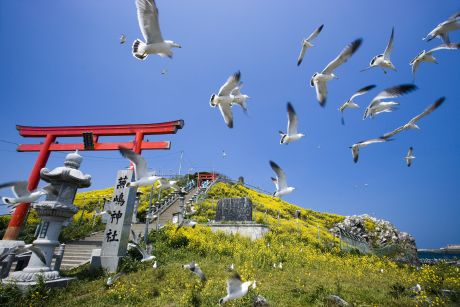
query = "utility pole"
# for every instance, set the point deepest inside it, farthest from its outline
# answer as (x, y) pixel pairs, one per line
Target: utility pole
(180, 162)
(147, 218)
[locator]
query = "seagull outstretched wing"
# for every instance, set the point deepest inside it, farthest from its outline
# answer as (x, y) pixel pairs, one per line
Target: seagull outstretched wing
(140, 165)
(147, 15)
(344, 55)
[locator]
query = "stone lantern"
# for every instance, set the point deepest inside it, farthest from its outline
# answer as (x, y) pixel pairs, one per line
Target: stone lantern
(54, 211)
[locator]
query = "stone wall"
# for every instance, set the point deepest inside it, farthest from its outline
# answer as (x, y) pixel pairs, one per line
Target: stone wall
(252, 231)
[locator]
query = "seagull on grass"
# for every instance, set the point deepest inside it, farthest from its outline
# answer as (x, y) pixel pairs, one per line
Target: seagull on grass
(356, 147)
(292, 134)
(383, 60)
(412, 123)
(147, 15)
(319, 80)
(22, 194)
(112, 279)
(410, 156)
(236, 288)
(427, 56)
(442, 30)
(142, 178)
(228, 95)
(195, 269)
(377, 106)
(351, 104)
(307, 43)
(280, 181)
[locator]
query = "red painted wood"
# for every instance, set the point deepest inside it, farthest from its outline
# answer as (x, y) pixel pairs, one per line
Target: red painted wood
(97, 146)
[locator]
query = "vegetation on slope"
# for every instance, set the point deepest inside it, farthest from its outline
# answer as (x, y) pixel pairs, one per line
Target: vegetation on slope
(313, 266)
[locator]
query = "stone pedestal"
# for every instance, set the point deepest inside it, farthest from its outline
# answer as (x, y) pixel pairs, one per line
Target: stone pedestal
(54, 212)
(117, 230)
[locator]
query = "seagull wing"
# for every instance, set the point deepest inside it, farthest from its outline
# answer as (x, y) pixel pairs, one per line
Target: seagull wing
(135, 237)
(391, 92)
(344, 55)
(386, 53)
(19, 188)
(355, 152)
(226, 111)
(315, 33)
(362, 91)
(234, 284)
(444, 46)
(147, 15)
(275, 181)
(392, 133)
(140, 165)
(455, 16)
(292, 120)
(199, 272)
(140, 249)
(410, 152)
(321, 91)
(302, 54)
(428, 110)
(50, 190)
(232, 82)
(280, 175)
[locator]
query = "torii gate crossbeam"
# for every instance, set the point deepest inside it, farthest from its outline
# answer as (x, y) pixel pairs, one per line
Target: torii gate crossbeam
(90, 135)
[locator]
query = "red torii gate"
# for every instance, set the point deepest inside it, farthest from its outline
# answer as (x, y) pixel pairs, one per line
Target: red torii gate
(90, 136)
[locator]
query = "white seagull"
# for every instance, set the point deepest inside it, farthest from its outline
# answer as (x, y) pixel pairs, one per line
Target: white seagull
(229, 94)
(147, 15)
(112, 279)
(292, 134)
(235, 288)
(168, 184)
(383, 60)
(122, 39)
(319, 80)
(22, 194)
(412, 123)
(239, 99)
(146, 253)
(356, 147)
(108, 210)
(442, 30)
(351, 104)
(280, 181)
(142, 178)
(307, 43)
(377, 106)
(195, 269)
(410, 156)
(427, 56)
(24, 249)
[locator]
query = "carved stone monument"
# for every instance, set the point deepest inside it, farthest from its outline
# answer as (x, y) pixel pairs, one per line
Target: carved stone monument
(234, 209)
(116, 234)
(54, 211)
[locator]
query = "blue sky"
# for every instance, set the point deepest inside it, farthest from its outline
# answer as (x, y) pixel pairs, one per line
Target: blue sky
(62, 64)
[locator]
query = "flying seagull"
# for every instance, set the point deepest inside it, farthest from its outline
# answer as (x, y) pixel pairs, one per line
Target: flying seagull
(142, 178)
(186, 223)
(319, 80)
(146, 253)
(22, 194)
(383, 60)
(147, 15)
(292, 134)
(442, 30)
(351, 104)
(107, 210)
(427, 56)
(280, 181)
(168, 184)
(239, 99)
(228, 95)
(356, 147)
(235, 288)
(410, 156)
(195, 269)
(122, 39)
(412, 123)
(377, 106)
(17, 250)
(112, 279)
(307, 43)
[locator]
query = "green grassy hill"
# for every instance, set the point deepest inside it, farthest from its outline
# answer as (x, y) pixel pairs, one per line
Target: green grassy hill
(313, 266)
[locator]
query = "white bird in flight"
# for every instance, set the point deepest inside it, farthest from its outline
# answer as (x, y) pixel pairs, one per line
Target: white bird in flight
(122, 39)
(307, 43)
(108, 210)
(410, 156)
(377, 106)
(112, 279)
(236, 288)
(142, 177)
(168, 184)
(22, 194)
(427, 56)
(442, 30)
(226, 97)
(195, 269)
(146, 253)
(383, 60)
(319, 80)
(292, 134)
(356, 147)
(412, 123)
(147, 15)
(280, 181)
(351, 104)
